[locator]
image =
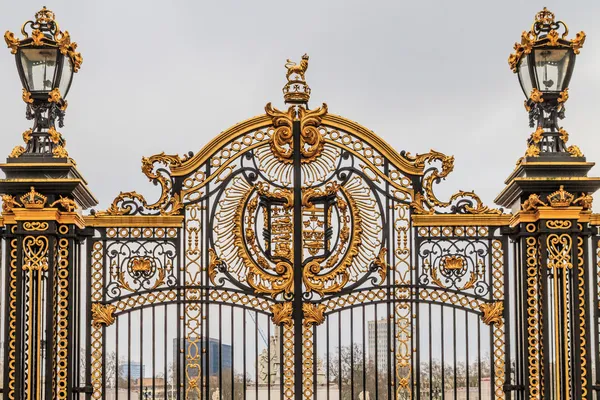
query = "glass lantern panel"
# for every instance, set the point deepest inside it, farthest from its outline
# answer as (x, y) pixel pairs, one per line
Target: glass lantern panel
(65, 76)
(525, 76)
(551, 67)
(39, 68)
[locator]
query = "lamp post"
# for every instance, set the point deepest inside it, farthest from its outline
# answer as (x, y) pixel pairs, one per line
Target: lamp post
(544, 62)
(46, 61)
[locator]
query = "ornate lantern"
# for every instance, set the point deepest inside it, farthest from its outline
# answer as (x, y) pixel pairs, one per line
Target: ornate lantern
(544, 62)
(46, 60)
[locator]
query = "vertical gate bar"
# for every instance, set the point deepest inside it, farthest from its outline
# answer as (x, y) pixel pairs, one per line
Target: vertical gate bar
(351, 310)
(443, 360)
(467, 380)
(430, 354)
(256, 378)
(220, 349)
(117, 372)
(327, 359)
(154, 352)
(364, 357)
(454, 350)
(298, 259)
(141, 352)
(544, 312)
(340, 354)
(88, 317)
(232, 310)
(376, 356)
(244, 349)
(595, 305)
(128, 356)
(51, 281)
(479, 358)
(166, 372)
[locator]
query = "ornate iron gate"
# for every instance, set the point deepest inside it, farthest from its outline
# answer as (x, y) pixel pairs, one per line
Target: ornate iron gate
(299, 256)
(299, 236)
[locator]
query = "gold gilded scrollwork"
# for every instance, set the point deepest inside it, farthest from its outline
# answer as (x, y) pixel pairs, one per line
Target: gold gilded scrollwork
(311, 140)
(282, 314)
(126, 203)
(35, 226)
(313, 314)
(492, 313)
(465, 201)
(335, 279)
(103, 314)
(258, 277)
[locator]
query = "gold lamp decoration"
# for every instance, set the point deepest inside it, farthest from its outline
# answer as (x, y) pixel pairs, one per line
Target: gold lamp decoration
(544, 60)
(46, 60)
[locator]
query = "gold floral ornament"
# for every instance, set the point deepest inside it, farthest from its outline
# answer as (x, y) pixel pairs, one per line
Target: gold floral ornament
(492, 313)
(282, 314)
(45, 32)
(466, 202)
(103, 314)
(543, 33)
(169, 203)
(311, 140)
(574, 151)
(313, 314)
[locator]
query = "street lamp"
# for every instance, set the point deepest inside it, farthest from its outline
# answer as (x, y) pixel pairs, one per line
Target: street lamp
(46, 61)
(544, 62)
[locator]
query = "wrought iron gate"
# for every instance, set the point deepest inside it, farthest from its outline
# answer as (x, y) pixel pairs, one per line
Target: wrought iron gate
(299, 256)
(297, 271)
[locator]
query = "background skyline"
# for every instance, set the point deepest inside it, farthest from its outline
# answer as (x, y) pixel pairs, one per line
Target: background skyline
(171, 76)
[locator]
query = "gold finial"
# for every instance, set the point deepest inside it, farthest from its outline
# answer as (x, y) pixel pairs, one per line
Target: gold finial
(44, 16)
(296, 90)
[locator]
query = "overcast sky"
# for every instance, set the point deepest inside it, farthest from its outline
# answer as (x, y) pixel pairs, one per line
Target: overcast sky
(169, 76)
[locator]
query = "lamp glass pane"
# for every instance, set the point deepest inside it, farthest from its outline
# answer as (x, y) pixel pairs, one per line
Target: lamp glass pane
(39, 68)
(525, 76)
(66, 75)
(551, 67)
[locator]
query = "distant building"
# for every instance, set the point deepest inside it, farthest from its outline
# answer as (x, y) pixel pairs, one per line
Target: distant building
(132, 370)
(378, 333)
(219, 354)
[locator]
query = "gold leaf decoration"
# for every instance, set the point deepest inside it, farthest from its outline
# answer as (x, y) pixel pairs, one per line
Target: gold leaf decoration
(27, 96)
(492, 312)
(313, 314)
(11, 41)
(282, 314)
(103, 314)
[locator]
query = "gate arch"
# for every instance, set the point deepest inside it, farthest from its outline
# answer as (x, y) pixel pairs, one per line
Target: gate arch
(276, 225)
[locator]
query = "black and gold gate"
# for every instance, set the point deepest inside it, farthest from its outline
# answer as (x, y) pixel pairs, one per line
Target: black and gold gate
(299, 256)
